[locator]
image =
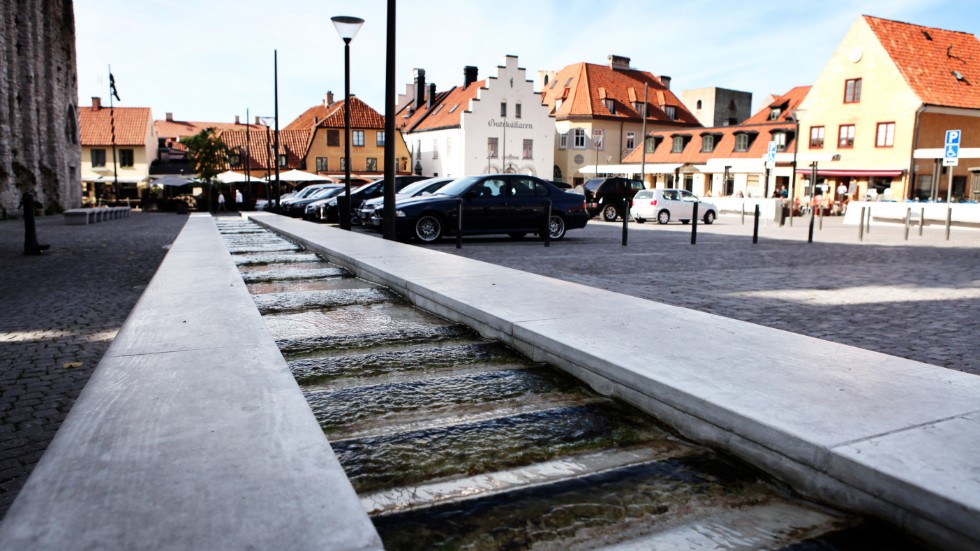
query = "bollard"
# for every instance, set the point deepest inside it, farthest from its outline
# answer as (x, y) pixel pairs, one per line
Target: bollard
(755, 229)
(908, 222)
(694, 226)
(547, 224)
(459, 223)
(861, 225)
(626, 218)
(867, 228)
(343, 212)
(949, 220)
(31, 246)
(922, 220)
(743, 213)
(821, 218)
(813, 216)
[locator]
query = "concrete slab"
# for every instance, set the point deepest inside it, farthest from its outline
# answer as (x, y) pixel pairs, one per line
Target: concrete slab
(191, 434)
(842, 424)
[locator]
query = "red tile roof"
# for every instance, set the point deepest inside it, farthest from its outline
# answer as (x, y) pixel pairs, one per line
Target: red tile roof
(409, 118)
(332, 116)
(294, 143)
(786, 103)
(447, 109)
(582, 87)
(180, 129)
(927, 57)
(131, 125)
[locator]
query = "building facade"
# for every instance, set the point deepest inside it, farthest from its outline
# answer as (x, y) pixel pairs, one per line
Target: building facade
(111, 174)
(39, 135)
(718, 106)
(497, 125)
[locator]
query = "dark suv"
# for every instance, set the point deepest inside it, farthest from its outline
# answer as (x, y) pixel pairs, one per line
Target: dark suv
(608, 196)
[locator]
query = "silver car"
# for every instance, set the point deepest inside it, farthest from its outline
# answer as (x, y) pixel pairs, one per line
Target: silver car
(664, 205)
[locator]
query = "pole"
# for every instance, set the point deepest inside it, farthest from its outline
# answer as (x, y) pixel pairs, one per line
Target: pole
(743, 212)
(626, 213)
(765, 188)
(867, 227)
(861, 225)
(112, 125)
(459, 223)
(547, 224)
(389, 192)
(949, 202)
(249, 195)
(813, 210)
(275, 160)
(643, 157)
(922, 220)
(344, 213)
(792, 179)
(908, 222)
(694, 226)
(821, 217)
(755, 228)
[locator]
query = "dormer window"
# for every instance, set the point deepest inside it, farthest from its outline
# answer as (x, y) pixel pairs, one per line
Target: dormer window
(774, 113)
(707, 143)
(780, 139)
(678, 144)
(639, 107)
(235, 158)
(743, 140)
(671, 112)
(610, 105)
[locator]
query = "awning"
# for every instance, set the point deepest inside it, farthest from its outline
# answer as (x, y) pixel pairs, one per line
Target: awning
(841, 173)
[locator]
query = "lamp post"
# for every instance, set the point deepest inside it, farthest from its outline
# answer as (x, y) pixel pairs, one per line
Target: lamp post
(795, 113)
(347, 28)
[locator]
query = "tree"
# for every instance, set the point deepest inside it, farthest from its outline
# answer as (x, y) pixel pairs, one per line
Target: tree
(209, 155)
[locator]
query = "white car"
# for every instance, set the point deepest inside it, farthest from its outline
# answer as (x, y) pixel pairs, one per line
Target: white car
(664, 205)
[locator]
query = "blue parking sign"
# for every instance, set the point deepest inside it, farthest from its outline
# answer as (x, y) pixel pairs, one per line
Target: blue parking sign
(951, 153)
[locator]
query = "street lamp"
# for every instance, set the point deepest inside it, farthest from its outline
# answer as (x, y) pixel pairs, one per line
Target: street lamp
(347, 28)
(796, 114)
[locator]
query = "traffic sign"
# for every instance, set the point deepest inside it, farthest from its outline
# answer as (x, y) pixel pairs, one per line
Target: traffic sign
(771, 155)
(951, 154)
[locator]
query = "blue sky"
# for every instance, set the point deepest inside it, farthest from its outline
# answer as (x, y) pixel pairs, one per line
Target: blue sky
(210, 60)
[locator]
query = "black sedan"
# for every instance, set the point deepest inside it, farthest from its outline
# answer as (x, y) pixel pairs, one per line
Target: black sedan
(331, 214)
(297, 207)
(511, 204)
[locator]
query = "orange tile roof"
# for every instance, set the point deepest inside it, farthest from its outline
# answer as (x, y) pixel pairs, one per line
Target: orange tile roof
(294, 143)
(724, 146)
(131, 125)
(786, 104)
(180, 129)
(584, 86)
(409, 118)
(447, 111)
(332, 116)
(927, 57)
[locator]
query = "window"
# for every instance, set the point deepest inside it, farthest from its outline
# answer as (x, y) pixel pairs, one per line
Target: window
(699, 104)
(649, 145)
(846, 136)
(578, 138)
(492, 148)
(852, 91)
(234, 158)
(333, 138)
(780, 139)
(610, 105)
(741, 142)
(125, 157)
(563, 140)
(671, 112)
(517, 110)
(435, 149)
(816, 137)
(380, 138)
(321, 164)
(282, 161)
(503, 109)
(885, 136)
(707, 143)
(640, 107)
(372, 164)
(774, 113)
(343, 163)
(678, 144)
(597, 139)
(630, 140)
(357, 138)
(98, 157)
(528, 151)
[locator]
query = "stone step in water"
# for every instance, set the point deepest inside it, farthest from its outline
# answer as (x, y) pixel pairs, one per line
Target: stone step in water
(300, 277)
(292, 301)
(311, 345)
(270, 248)
(269, 258)
(323, 279)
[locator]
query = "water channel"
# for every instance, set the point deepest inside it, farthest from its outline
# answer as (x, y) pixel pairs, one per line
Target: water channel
(453, 441)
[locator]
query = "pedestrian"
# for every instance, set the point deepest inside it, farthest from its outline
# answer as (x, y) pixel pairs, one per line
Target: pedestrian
(221, 201)
(841, 191)
(239, 200)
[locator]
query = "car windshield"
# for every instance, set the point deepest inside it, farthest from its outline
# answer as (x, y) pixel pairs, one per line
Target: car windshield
(417, 186)
(458, 187)
(328, 192)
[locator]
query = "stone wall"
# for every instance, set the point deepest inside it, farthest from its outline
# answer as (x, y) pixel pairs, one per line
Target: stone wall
(39, 135)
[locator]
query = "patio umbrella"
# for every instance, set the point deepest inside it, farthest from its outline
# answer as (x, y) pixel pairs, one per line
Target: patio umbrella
(171, 180)
(232, 177)
(298, 176)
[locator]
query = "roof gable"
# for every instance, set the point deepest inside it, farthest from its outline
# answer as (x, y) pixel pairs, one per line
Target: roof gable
(131, 125)
(785, 103)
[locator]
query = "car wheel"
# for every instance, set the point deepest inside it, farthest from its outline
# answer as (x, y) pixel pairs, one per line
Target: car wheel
(709, 217)
(685, 222)
(640, 220)
(556, 227)
(428, 228)
(609, 213)
(663, 217)
(517, 235)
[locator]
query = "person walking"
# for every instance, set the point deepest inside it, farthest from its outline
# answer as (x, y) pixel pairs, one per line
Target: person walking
(221, 202)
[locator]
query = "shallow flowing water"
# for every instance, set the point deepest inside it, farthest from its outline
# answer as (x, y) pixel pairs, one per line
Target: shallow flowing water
(454, 441)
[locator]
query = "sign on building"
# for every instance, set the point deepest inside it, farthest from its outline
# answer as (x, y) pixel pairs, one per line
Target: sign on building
(951, 155)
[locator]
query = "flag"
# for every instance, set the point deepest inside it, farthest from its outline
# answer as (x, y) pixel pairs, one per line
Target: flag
(112, 87)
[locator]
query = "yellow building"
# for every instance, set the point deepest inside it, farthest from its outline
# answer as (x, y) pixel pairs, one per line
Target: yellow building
(135, 146)
(326, 152)
(888, 89)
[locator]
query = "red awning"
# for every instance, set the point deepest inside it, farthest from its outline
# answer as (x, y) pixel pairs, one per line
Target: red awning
(839, 173)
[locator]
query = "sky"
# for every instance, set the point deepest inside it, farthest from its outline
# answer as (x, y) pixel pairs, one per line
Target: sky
(212, 60)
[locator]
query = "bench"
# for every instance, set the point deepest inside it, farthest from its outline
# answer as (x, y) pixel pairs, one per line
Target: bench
(81, 217)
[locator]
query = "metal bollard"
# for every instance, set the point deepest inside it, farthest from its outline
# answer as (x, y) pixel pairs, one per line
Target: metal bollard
(694, 226)
(547, 224)
(813, 216)
(626, 218)
(908, 222)
(949, 220)
(821, 218)
(755, 229)
(459, 223)
(922, 220)
(867, 228)
(861, 225)
(743, 213)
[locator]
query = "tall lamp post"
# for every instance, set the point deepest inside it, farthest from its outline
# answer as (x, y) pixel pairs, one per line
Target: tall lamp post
(796, 114)
(347, 28)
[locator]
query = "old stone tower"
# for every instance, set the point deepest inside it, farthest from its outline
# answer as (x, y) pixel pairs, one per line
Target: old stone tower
(39, 137)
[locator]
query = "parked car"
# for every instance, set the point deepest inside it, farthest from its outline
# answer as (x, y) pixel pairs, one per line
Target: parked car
(297, 207)
(510, 204)
(664, 205)
(422, 187)
(328, 207)
(608, 196)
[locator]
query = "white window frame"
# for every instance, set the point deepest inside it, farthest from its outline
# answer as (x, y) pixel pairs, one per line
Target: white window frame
(578, 138)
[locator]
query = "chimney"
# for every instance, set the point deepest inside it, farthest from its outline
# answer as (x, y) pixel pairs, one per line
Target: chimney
(329, 99)
(256, 119)
(419, 88)
(619, 62)
(469, 75)
(170, 117)
(236, 120)
(96, 103)
(666, 80)
(432, 96)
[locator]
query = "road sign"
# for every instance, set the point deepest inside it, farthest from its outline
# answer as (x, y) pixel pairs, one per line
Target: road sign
(771, 155)
(951, 154)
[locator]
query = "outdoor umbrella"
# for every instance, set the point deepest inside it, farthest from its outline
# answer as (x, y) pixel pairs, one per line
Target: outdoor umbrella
(232, 177)
(298, 176)
(171, 180)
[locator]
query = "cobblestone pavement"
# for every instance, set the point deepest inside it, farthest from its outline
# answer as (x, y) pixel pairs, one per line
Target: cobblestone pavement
(918, 299)
(60, 311)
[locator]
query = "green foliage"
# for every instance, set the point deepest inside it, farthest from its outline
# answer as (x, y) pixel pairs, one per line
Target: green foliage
(208, 153)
